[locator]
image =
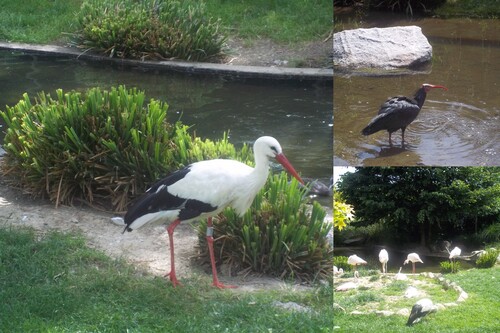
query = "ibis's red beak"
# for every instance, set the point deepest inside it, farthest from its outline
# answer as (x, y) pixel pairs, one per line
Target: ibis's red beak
(434, 86)
(288, 166)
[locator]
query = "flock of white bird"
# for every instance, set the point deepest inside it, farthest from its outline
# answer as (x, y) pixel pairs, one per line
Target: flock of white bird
(421, 307)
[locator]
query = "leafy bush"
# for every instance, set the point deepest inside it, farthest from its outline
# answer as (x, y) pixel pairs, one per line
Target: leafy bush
(341, 262)
(450, 267)
(276, 236)
(154, 29)
(91, 146)
(490, 234)
(487, 259)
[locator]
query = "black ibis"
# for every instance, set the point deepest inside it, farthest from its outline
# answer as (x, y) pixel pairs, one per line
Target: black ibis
(419, 310)
(202, 190)
(398, 112)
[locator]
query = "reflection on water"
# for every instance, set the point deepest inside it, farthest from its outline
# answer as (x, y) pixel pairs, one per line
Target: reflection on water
(297, 114)
(460, 126)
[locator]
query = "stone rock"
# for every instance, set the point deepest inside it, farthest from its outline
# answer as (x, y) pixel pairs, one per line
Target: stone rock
(387, 48)
(292, 306)
(384, 313)
(462, 297)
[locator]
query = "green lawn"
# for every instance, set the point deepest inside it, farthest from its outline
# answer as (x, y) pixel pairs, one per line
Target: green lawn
(479, 313)
(55, 283)
(46, 21)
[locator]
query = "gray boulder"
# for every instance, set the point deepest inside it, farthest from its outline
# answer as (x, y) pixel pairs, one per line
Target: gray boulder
(382, 48)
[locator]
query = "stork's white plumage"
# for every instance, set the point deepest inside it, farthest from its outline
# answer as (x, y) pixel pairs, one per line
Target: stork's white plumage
(455, 252)
(413, 257)
(419, 310)
(337, 271)
(400, 276)
(202, 190)
(355, 260)
(383, 257)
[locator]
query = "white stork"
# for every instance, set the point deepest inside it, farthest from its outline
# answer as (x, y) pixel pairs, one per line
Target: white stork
(355, 260)
(419, 310)
(383, 257)
(202, 190)
(454, 254)
(413, 257)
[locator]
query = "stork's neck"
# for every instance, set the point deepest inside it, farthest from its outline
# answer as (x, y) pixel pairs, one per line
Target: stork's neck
(420, 97)
(261, 170)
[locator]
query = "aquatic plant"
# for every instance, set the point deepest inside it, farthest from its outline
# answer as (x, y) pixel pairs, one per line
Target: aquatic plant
(487, 259)
(149, 29)
(278, 235)
(100, 147)
(450, 266)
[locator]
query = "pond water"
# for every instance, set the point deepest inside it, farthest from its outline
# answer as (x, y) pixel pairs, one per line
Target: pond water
(459, 127)
(298, 114)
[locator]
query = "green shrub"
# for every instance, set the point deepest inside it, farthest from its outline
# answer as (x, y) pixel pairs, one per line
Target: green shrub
(487, 259)
(341, 262)
(450, 267)
(91, 146)
(154, 29)
(278, 235)
(490, 234)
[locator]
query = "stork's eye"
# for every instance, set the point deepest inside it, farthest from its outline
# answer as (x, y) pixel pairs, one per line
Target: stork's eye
(274, 149)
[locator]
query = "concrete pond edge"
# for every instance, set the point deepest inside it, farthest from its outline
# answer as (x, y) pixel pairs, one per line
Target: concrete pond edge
(235, 71)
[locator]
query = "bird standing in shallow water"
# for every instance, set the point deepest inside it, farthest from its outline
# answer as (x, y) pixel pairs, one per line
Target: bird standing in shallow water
(399, 112)
(413, 257)
(202, 190)
(383, 257)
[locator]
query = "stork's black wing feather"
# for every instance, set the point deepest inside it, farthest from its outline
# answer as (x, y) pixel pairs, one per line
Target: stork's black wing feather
(158, 198)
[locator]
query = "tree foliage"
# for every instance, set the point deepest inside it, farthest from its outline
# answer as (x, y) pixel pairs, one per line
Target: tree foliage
(342, 212)
(424, 202)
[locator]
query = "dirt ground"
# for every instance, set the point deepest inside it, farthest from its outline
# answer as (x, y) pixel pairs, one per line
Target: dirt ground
(146, 248)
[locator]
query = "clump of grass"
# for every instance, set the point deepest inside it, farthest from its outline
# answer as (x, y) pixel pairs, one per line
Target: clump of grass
(90, 146)
(450, 266)
(150, 29)
(487, 259)
(277, 236)
(341, 262)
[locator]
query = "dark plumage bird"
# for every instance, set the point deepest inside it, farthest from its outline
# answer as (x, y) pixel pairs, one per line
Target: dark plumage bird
(419, 310)
(398, 112)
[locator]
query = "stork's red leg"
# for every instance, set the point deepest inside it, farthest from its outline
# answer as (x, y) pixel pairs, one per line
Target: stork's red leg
(403, 137)
(210, 242)
(170, 230)
(413, 264)
(390, 139)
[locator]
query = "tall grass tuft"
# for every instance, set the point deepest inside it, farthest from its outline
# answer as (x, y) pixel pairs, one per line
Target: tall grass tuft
(277, 236)
(101, 146)
(149, 29)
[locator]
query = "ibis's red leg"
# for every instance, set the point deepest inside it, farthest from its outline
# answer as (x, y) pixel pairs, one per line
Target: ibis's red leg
(210, 242)
(170, 230)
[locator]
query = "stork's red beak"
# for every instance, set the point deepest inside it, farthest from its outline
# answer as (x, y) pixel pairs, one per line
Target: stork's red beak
(281, 158)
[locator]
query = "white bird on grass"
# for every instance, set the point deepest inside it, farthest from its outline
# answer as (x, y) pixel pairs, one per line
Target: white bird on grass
(383, 257)
(355, 260)
(337, 271)
(419, 310)
(202, 190)
(413, 257)
(400, 276)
